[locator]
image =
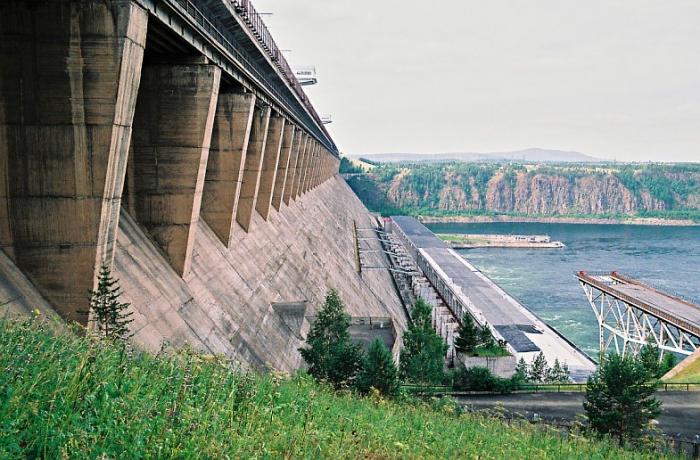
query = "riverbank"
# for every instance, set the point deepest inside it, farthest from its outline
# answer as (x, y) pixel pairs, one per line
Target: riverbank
(558, 220)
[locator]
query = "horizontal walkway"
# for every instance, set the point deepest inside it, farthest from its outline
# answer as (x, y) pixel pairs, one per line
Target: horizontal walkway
(464, 288)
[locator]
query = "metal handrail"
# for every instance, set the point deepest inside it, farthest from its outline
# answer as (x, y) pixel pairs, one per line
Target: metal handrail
(254, 21)
(212, 27)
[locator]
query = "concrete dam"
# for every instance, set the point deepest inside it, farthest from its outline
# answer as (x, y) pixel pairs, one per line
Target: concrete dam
(170, 141)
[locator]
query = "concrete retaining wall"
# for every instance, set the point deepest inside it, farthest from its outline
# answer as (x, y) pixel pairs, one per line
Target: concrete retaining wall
(501, 366)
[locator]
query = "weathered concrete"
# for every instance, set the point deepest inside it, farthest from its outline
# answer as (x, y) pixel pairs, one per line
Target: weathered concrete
(502, 366)
(301, 166)
(69, 75)
(229, 143)
(268, 170)
(306, 178)
(172, 132)
(288, 139)
(253, 164)
(226, 304)
(293, 166)
(293, 315)
(18, 296)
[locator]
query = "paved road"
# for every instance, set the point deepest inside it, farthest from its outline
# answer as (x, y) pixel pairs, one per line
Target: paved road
(681, 410)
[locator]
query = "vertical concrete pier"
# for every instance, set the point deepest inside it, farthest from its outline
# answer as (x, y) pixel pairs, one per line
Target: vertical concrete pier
(69, 75)
(229, 143)
(293, 165)
(310, 167)
(253, 164)
(268, 171)
(301, 165)
(172, 133)
(283, 166)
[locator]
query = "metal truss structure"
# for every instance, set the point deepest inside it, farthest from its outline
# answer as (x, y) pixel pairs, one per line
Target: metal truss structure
(627, 324)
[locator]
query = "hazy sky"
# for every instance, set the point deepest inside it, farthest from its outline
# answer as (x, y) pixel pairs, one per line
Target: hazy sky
(613, 79)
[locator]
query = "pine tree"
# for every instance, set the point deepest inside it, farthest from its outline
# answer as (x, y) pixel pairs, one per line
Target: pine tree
(378, 371)
(423, 355)
(559, 373)
(331, 356)
(620, 398)
(485, 337)
(521, 371)
(467, 335)
(539, 369)
(668, 363)
(650, 358)
(109, 315)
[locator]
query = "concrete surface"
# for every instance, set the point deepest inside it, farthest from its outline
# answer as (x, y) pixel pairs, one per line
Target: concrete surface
(225, 305)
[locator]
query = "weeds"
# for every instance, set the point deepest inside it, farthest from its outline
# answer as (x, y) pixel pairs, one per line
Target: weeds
(81, 397)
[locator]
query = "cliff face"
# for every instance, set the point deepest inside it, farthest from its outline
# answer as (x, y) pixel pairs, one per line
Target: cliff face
(454, 188)
(552, 194)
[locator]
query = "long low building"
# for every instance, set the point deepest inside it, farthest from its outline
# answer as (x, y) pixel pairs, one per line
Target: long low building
(464, 288)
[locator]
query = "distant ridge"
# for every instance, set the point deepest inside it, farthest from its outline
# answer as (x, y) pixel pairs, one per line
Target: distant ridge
(531, 154)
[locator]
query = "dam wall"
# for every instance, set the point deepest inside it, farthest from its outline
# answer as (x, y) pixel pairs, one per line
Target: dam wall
(170, 142)
(227, 302)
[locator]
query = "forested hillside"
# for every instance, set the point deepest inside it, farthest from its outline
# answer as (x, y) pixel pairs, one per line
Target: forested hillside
(575, 190)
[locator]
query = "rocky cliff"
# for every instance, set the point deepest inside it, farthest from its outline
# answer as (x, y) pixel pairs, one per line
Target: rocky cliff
(573, 190)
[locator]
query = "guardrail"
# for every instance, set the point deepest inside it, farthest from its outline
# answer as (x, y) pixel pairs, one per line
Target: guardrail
(212, 27)
(448, 390)
(254, 21)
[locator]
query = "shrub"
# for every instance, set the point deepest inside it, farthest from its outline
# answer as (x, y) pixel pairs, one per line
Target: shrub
(481, 379)
(620, 398)
(423, 355)
(378, 371)
(330, 354)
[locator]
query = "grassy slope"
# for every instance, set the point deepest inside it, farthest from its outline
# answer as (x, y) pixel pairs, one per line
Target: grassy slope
(690, 374)
(62, 396)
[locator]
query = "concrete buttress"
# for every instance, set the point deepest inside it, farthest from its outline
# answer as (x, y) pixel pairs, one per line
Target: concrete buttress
(253, 165)
(283, 166)
(268, 170)
(301, 165)
(310, 166)
(172, 133)
(292, 168)
(69, 76)
(229, 143)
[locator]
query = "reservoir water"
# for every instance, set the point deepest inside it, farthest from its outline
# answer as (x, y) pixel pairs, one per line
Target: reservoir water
(543, 279)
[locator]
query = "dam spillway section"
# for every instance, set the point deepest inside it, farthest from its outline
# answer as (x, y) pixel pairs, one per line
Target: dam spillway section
(457, 286)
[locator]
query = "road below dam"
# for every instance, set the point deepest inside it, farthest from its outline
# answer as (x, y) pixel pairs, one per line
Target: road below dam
(679, 411)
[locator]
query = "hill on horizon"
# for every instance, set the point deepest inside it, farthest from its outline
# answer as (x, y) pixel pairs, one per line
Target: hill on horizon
(531, 154)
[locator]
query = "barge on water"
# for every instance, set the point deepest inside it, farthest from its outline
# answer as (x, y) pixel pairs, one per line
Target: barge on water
(469, 241)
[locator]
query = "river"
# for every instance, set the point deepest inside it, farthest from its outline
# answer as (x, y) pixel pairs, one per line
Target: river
(543, 279)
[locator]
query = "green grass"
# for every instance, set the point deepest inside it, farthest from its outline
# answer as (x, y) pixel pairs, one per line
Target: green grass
(62, 396)
(491, 351)
(691, 374)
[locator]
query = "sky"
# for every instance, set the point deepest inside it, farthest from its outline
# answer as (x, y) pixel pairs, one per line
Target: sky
(610, 78)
